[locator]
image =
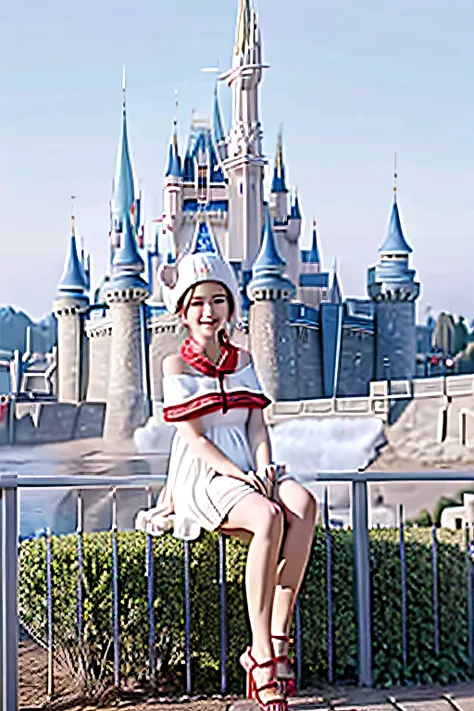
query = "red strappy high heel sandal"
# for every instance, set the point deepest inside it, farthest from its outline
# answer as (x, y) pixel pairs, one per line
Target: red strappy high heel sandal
(284, 673)
(267, 696)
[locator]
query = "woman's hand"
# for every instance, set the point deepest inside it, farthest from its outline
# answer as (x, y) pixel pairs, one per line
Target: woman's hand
(250, 478)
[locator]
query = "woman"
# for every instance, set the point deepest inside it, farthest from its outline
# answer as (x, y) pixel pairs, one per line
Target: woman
(221, 475)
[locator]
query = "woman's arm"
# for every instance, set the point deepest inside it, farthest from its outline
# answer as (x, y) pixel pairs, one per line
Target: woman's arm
(259, 440)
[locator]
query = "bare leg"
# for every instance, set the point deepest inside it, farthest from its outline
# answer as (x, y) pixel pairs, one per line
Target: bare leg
(300, 510)
(264, 519)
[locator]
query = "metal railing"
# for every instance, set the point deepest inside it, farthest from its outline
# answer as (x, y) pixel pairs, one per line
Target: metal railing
(9, 617)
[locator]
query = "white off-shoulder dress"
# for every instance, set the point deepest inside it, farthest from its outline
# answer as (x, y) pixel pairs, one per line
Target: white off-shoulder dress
(202, 497)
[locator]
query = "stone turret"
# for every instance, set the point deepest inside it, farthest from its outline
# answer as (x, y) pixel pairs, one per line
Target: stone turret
(68, 307)
(125, 293)
(392, 287)
(271, 336)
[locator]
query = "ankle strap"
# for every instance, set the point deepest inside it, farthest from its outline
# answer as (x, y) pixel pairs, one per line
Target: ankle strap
(266, 663)
(282, 637)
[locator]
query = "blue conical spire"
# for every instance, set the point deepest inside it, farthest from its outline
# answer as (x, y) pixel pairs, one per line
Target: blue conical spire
(123, 196)
(314, 251)
(173, 169)
(336, 291)
(279, 181)
(127, 255)
(269, 258)
(218, 126)
(395, 239)
(295, 213)
(72, 280)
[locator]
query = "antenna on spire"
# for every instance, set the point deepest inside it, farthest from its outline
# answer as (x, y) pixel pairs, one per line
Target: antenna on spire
(124, 87)
(73, 216)
(175, 122)
(280, 150)
(395, 177)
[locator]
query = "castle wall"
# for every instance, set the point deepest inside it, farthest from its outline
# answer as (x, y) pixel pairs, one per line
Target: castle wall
(356, 368)
(166, 337)
(39, 423)
(126, 408)
(395, 338)
(99, 363)
(309, 363)
(69, 360)
(273, 348)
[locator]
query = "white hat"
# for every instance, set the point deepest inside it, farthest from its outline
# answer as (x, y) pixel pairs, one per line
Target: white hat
(203, 262)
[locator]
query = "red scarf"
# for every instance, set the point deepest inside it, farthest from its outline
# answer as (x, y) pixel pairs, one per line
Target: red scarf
(192, 353)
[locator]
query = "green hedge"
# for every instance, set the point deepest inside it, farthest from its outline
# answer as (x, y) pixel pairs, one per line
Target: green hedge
(423, 665)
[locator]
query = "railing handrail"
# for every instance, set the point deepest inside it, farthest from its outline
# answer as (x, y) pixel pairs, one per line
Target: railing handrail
(12, 480)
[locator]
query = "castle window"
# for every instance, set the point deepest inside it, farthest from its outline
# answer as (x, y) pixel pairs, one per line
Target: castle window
(241, 188)
(202, 182)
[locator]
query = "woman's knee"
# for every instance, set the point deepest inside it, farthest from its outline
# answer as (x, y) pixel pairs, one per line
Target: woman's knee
(270, 518)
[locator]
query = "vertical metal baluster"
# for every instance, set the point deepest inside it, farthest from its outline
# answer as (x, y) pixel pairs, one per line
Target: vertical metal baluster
(49, 608)
(298, 650)
(150, 573)
(360, 524)
(329, 588)
(115, 591)
(470, 597)
(403, 566)
(187, 615)
(9, 593)
(223, 613)
(434, 549)
(80, 569)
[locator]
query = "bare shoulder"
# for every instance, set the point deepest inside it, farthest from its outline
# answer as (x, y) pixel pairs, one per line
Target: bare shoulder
(245, 358)
(173, 365)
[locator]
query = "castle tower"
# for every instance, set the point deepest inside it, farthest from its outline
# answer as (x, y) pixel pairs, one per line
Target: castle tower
(124, 294)
(392, 287)
(271, 335)
(245, 163)
(123, 200)
(279, 191)
(172, 197)
(68, 307)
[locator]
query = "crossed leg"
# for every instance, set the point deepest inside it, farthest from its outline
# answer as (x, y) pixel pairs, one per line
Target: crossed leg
(264, 521)
(300, 512)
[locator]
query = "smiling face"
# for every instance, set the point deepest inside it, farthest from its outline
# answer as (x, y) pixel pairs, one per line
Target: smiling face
(206, 310)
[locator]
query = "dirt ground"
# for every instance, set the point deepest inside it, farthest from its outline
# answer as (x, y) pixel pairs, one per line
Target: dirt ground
(33, 696)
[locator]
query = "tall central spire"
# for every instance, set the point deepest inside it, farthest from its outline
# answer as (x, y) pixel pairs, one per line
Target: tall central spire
(244, 162)
(123, 194)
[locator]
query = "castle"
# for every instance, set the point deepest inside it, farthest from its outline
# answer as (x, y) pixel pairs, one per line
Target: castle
(307, 341)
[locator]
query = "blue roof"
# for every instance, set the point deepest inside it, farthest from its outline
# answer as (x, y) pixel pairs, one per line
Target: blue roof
(279, 181)
(295, 213)
(127, 255)
(395, 239)
(203, 240)
(123, 195)
(73, 278)
(268, 258)
(320, 280)
(173, 168)
(311, 256)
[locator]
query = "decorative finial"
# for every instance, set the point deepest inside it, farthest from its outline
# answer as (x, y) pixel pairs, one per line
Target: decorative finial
(124, 87)
(395, 178)
(73, 216)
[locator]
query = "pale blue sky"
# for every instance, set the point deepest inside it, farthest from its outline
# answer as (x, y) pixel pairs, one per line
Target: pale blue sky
(351, 82)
